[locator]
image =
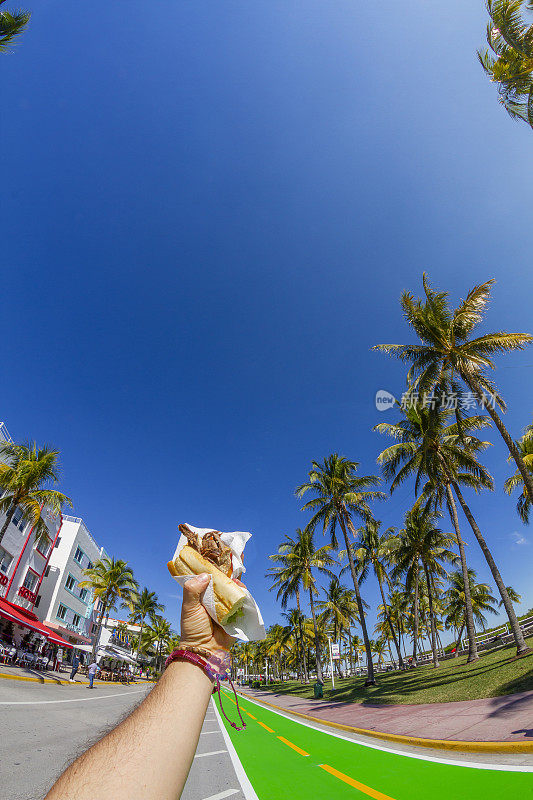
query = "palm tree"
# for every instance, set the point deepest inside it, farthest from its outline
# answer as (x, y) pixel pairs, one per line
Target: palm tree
(428, 445)
(25, 472)
(158, 634)
(448, 351)
(525, 446)
(339, 494)
(421, 544)
(11, 25)
(513, 596)
(375, 549)
(145, 605)
(300, 558)
(288, 584)
(511, 41)
(481, 598)
(337, 608)
(110, 580)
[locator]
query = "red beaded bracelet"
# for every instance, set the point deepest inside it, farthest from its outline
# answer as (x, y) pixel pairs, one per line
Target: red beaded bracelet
(214, 673)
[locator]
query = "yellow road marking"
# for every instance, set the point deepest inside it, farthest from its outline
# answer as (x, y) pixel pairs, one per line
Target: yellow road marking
(350, 781)
(250, 715)
(264, 726)
(294, 746)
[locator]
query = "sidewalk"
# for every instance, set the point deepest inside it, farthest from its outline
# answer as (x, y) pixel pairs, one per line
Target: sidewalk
(494, 719)
(9, 672)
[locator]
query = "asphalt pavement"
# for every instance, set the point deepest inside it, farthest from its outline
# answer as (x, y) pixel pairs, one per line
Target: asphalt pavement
(45, 727)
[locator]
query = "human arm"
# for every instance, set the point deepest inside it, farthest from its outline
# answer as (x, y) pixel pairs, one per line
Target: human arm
(150, 753)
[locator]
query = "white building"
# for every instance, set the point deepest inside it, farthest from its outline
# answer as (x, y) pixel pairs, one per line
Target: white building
(63, 605)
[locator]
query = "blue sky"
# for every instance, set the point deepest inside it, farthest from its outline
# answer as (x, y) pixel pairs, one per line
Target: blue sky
(209, 212)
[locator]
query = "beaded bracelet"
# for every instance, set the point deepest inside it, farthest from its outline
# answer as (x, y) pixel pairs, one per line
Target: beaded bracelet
(216, 668)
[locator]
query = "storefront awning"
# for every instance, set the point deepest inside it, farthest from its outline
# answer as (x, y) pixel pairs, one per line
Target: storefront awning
(22, 617)
(27, 619)
(63, 633)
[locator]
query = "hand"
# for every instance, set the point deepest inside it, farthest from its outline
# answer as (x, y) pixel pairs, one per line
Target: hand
(197, 627)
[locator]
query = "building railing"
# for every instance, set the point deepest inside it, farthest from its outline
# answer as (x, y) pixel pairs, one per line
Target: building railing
(79, 521)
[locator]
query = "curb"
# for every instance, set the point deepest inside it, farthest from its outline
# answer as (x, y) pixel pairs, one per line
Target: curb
(414, 741)
(57, 681)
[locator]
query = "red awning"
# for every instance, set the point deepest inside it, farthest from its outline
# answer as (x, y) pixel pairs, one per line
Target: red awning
(22, 617)
(27, 619)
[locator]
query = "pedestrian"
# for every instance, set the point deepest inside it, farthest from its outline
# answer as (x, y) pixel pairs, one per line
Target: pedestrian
(93, 669)
(75, 666)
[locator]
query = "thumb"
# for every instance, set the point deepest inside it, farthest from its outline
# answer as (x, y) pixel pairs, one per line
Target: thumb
(193, 589)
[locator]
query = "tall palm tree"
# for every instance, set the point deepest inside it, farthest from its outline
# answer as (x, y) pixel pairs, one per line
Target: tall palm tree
(12, 23)
(511, 40)
(525, 446)
(427, 445)
(421, 545)
(447, 352)
(146, 604)
(158, 634)
(481, 598)
(294, 631)
(110, 580)
(300, 559)
(25, 473)
(337, 608)
(288, 584)
(375, 549)
(339, 494)
(513, 596)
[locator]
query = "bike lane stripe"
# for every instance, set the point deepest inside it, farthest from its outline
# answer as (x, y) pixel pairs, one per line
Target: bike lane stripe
(294, 746)
(356, 784)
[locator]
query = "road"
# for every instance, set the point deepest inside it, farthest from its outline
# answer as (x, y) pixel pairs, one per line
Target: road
(276, 758)
(45, 727)
(287, 759)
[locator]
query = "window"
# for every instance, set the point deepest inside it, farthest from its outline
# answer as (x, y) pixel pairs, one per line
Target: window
(44, 547)
(30, 581)
(76, 620)
(61, 611)
(5, 560)
(38, 600)
(70, 583)
(47, 571)
(78, 555)
(17, 519)
(83, 594)
(90, 565)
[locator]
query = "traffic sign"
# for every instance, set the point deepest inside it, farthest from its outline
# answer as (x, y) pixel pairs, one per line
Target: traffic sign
(335, 650)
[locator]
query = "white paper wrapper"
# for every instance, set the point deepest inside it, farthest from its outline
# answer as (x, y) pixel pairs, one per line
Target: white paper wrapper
(249, 626)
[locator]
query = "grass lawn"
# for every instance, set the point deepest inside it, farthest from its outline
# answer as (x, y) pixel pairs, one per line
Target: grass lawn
(495, 673)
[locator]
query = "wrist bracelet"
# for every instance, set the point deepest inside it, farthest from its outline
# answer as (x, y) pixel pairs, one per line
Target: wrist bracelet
(216, 668)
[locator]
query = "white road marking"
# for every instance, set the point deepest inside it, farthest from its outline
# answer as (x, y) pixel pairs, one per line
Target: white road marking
(221, 795)
(204, 733)
(77, 700)
(469, 764)
(212, 753)
(247, 788)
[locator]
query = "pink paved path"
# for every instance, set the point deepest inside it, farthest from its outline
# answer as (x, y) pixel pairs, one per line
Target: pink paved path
(500, 719)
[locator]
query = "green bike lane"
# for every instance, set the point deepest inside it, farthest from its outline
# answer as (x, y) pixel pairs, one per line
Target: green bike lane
(287, 760)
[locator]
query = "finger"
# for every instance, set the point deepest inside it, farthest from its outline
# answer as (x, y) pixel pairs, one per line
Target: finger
(192, 591)
(238, 582)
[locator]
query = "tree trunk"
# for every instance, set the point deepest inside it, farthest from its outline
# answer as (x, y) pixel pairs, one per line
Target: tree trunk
(306, 676)
(393, 632)
(415, 614)
(521, 646)
(371, 680)
(509, 441)
(97, 637)
(431, 620)
(8, 519)
(350, 654)
(469, 617)
(317, 647)
(139, 642)
(458, 645)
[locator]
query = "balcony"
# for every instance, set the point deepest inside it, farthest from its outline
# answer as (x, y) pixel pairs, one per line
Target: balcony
(27, 594)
